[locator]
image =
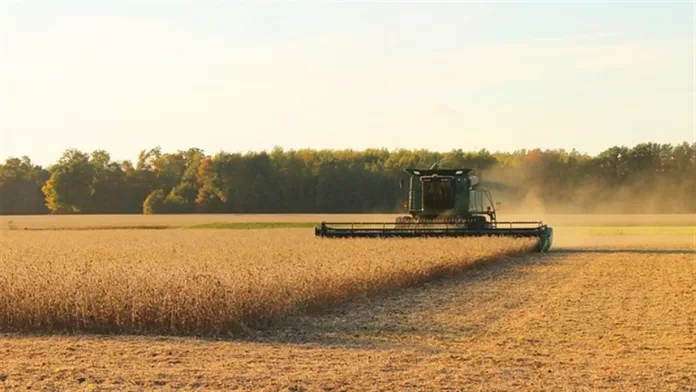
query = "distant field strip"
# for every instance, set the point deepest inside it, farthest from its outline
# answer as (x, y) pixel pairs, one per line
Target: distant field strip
(592, 230)
(633, 230)
(63, 222)
(213, 225)
(207, 282)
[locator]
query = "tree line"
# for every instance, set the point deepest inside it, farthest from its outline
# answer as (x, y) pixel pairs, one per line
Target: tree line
(647, 178)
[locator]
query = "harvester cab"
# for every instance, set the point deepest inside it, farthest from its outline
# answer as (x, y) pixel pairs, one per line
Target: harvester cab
(443, 203)
(448, 195)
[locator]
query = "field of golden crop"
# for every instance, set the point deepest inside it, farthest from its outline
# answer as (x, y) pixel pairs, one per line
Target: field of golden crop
(206, 281)
(604, 310)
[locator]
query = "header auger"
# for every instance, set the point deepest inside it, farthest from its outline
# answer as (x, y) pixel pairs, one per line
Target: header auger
(443, 203)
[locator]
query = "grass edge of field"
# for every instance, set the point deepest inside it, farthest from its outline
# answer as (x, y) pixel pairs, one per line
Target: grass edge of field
(587, 230)
(254, 225)
(630, 230)
(211, 225)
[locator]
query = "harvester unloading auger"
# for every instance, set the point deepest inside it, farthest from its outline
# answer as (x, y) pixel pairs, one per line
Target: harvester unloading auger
(443, 203)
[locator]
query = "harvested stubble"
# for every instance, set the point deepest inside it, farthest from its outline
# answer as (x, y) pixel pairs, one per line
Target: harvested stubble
(207, 282)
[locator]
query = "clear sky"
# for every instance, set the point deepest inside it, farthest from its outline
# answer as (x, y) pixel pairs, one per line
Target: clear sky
(130, 75)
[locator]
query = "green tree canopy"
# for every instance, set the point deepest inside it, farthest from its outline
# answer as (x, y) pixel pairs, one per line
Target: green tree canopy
(648, 177)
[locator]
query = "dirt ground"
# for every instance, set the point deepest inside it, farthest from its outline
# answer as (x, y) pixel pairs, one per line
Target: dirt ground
(596, 313)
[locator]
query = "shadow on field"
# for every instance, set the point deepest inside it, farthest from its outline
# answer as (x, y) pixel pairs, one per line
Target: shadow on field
(400, 319)
(425, 317)
(620, 250)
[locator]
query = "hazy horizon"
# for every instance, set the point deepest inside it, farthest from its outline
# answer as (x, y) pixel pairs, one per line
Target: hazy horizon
(247, 77)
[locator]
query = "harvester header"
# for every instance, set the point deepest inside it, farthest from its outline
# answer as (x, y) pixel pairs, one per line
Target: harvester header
(443, 203)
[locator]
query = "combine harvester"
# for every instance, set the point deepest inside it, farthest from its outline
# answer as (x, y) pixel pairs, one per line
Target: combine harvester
(443, 203)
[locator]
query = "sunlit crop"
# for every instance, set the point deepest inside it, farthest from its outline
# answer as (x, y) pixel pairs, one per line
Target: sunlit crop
(207, 281)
